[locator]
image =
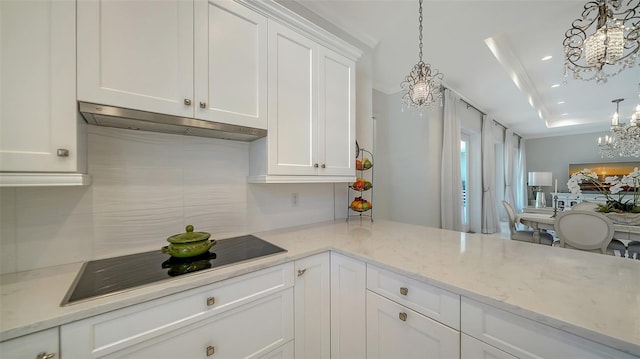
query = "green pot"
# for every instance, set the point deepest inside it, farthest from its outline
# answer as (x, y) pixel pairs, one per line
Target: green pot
(188, 244)
(191, 249)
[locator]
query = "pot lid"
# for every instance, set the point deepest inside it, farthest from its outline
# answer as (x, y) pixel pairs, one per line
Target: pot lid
(189, 236)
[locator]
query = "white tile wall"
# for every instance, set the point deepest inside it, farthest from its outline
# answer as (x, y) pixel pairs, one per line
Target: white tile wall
(145, 187)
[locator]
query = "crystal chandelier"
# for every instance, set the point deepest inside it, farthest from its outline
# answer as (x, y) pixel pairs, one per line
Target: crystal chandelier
(623, 139)
(422, 87)
(609, 48)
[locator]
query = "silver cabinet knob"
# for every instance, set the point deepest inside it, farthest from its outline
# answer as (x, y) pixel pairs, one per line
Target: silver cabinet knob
(402, 316)
(210, 350)
(187, 102)
(62, 152)
(211, 301)
(404, 290)
(203, 104)
(44, 355)
(315, 165)
(301, 271)
(323, 166)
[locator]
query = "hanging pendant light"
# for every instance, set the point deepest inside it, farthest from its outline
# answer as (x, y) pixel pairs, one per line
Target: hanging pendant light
(422, 87)
(604, 41)
(623, 139)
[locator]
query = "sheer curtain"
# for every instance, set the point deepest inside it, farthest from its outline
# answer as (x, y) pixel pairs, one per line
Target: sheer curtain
(489, 213)
(450, 173)
(508, 166)
(520, 185)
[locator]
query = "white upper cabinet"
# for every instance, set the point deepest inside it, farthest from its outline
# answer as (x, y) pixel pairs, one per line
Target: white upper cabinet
(293, 110)
(337, 114)
(137, 54)
(230, 64)
(42, 139)
(311, 121)
(202, 59)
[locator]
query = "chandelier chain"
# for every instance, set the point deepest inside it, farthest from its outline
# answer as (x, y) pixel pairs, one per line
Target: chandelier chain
(420, 31)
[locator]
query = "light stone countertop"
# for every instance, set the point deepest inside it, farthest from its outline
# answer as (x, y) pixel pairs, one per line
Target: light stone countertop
(591, 295)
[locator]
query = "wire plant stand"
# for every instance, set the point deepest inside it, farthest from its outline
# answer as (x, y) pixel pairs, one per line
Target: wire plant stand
(355, 193)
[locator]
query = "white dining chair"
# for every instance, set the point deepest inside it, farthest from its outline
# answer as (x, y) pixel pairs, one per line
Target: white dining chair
(587, 231)
(523, 235)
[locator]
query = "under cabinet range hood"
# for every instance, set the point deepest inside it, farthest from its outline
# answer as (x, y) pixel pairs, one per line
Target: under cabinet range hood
(111, 116)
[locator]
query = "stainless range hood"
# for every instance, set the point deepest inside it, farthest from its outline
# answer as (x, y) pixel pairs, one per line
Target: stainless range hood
(111, 116)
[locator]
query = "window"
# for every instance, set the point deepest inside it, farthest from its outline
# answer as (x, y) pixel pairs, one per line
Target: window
(464, 172)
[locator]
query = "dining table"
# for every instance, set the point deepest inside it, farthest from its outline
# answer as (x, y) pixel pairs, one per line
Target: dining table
(539, 221)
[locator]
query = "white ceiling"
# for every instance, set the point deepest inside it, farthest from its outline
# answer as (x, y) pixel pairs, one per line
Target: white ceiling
(454, 42)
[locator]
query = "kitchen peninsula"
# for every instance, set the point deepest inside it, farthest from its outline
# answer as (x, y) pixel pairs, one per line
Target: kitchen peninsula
(586, 295)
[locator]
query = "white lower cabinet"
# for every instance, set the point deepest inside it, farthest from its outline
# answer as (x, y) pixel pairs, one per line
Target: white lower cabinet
(39, 345)
(407, 318)
(348, 314)
(244, 316)
(249, 331)
(472, 348)
(312, 296)
(282, 352)
(395, 331)
(525, 338)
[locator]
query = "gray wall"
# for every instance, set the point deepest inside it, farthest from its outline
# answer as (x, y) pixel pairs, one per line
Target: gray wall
(554, 154)
(408, 155)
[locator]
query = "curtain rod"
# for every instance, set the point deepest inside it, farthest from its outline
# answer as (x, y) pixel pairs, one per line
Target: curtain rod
(468, 103)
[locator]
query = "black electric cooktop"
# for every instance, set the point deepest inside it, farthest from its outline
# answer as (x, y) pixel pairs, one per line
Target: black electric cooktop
(112, 275)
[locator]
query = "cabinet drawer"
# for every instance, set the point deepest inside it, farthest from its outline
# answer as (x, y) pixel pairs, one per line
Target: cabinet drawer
(29, 346)
(112, 331)
(394, 331)
(525, 338)
(426, 299)
(253, 330)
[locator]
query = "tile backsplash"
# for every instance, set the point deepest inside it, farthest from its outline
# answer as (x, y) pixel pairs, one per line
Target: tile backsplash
(145, 187)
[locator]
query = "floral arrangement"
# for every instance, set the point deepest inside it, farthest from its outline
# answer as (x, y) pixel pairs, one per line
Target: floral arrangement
(614, 189)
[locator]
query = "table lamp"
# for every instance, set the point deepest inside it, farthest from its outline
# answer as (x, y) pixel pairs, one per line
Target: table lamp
(537, 180)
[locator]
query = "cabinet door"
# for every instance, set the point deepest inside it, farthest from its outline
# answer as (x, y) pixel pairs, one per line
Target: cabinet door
(312, 304)
(230, 63)
(136, 54)
(37, 93)
(250, 331)
(395, 331)
(348, 315)
(29, 346)
(337, 114)
(293, 113)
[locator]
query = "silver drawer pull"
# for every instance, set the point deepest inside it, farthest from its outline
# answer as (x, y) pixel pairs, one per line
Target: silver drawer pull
(203, 104)
(44, 355)
(403, 316)
(187, 102)
(301, 271)
(210, 350)
(404, 290)
(62, 152)
(211, 301)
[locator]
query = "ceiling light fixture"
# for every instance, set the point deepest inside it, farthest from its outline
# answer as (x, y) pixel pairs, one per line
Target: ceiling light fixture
(606, 39)
(548, 57)
(422, 87)
(623, 139)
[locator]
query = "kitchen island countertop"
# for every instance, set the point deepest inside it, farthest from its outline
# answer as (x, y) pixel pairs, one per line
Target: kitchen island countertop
(590, 295)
